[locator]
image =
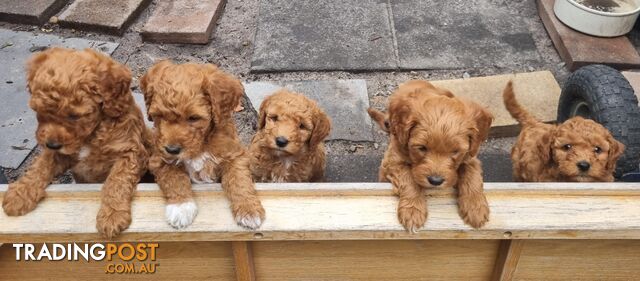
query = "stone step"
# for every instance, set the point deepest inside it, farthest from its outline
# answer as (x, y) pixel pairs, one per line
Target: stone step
(29, 11)
(109, 16)
(578, 49)
(17, 120)
(183, 21)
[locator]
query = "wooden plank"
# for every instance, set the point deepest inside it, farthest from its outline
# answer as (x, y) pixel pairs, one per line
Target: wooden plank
(175, 261)
(345, 211)
(375, 260)
(507, 260)
(243, 258)
(579, 260)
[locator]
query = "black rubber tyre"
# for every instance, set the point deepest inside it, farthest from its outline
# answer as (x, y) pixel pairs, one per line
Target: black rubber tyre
(3, 179)
(601, 93)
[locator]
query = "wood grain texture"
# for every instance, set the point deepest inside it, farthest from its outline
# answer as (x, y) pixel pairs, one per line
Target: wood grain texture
(352, 211)
(507, 260)
(243, 259)
(375, 260)
(176, 261)
(579, 260)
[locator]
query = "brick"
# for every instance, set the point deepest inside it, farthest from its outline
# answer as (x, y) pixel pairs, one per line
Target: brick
(109, 16)
(538, 92)
(578, 49)
(29, 11)
(183, 21)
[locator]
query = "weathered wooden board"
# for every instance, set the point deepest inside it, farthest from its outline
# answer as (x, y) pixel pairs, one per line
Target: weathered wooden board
(345, 211)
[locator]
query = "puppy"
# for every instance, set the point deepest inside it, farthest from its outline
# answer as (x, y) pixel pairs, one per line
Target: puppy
(578, 150)
(87, 122)
(289, 144)
(195, 139)
(434, 140)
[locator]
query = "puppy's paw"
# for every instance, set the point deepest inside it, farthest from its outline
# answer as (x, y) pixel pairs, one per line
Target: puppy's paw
(18, 201)
(412, 218)
(181, 215)
(111, 222)
(474, 210)
(249, 214)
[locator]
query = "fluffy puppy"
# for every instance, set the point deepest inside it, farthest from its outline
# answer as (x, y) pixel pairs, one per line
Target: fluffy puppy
(87, 122)
(289, 144)
(434, 140)
(578, 150)
(195, 139)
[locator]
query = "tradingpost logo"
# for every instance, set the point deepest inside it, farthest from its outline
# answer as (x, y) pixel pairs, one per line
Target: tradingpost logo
(122, 258)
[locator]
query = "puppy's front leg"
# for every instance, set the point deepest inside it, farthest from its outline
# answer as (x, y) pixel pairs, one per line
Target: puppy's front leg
(472, 204)
(412, 206)
(240, 189)
(114, 215)
(175, 184)
(24, 194)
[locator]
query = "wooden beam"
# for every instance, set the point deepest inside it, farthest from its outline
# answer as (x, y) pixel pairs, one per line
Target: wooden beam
(507, 260)
(243, 258)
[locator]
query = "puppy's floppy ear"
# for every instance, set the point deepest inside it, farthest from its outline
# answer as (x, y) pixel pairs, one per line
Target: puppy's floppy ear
(616, 149)
(262, 114)
(545, 146)
(481, 119)
(150, 80)
(225, 92)
(401, 120)
(35, 62)
(113, 82)
(380, 118)
(321, 127)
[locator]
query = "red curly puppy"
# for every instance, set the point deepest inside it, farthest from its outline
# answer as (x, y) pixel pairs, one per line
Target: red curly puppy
(434, 140)
(289, 144)
(195, 139)
(87, 122)
(578, 150)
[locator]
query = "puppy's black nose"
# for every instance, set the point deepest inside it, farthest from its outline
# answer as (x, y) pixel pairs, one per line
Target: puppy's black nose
(435, 180)
(173, 149)
(583, 166)
(281, 141)
(53, 145)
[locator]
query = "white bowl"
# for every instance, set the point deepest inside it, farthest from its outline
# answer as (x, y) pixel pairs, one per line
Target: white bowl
(594, 22)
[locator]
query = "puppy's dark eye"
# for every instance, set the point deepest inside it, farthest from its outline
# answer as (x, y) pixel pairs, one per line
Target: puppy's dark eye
(455, 152)
(273, 118)
(73, 117)
(597, 150)
(566, 147)
(422, 148)
(302, 127)
(194, 118)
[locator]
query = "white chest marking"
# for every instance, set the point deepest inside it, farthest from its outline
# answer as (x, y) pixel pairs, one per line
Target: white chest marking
(84, 152)
(202, 168)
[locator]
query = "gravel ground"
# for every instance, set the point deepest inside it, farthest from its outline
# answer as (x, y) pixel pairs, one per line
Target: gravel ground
(231, 49)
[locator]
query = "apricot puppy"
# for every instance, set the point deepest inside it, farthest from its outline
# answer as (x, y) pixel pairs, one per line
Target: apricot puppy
(87, 122)
(195, 139)
(289, 144)
(434, 140)
(578, 150)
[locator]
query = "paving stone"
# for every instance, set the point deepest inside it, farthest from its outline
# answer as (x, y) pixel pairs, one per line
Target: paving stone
(460, 33)
(578, 49)
(345, 101)
(538, 92)
(110, 16)
(353, 168)
(182, 21)
(17, 120)
(29, 11)
(323, 35)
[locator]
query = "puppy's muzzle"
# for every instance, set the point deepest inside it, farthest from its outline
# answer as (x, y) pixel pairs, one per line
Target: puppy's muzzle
(583, 166)
(53, 145)
(281, 142)
(435, 180)
(173, 149)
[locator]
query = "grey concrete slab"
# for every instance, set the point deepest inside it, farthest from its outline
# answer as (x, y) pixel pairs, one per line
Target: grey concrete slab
(29, 11)
(345, 101)
(17, 120)
(323, 35)
(496, 167)
(352, 168)
(110, 16)
(460, 33)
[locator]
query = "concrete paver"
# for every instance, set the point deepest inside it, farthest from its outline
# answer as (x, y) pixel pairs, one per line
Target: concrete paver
(17, 120)
(29, 11)
(111, 16)
(182, 21)
(345, 101)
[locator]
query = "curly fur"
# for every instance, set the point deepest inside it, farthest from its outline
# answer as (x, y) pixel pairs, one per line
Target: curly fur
(191, 106)
(304, 125)
(546, 152)
(434, 134)
(83, 103)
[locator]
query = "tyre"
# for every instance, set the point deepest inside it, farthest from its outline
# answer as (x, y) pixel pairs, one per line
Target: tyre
(3, 179)
(601, 93)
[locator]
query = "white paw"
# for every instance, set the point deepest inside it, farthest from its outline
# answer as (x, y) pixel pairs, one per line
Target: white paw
(181, 215)
(248, 221)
